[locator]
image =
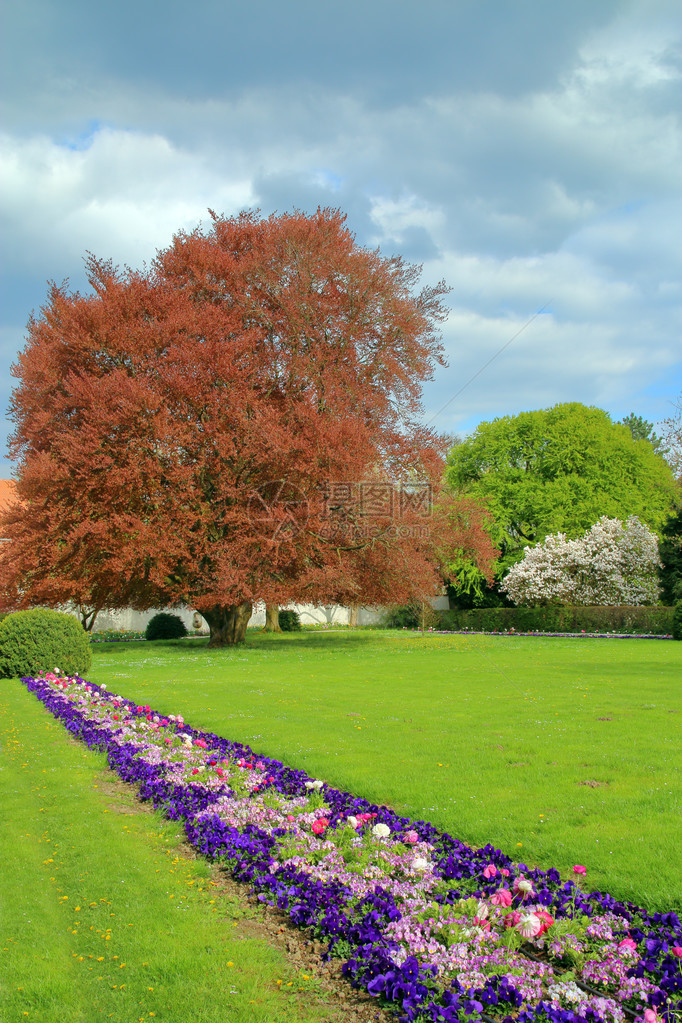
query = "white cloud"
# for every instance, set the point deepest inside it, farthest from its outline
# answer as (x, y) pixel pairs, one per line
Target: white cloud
(122, 197)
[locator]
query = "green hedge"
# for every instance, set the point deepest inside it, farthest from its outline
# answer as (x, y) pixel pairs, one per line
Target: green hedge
(42, 640)
(657, 621)
(677, 620)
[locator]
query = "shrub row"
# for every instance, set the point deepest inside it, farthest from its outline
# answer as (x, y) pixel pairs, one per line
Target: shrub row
(657, 621)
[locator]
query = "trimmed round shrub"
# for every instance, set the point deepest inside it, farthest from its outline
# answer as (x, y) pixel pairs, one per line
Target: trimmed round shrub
(677, 620)
(42, 640)
(289, 621)
(165, 626)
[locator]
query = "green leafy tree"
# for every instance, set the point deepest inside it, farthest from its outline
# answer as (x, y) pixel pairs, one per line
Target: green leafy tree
(558, 470)
(670, 550)
(642, 429)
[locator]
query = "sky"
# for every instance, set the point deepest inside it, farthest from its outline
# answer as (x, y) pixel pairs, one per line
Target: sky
(528, 152)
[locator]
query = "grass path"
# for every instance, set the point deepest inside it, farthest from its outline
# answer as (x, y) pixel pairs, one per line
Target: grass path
(558, 751)
(102, 915)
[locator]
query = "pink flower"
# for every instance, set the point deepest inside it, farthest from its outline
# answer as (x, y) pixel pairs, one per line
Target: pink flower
(677, 951)
(529, 926)
(627, 945)
(411, 837)
(579, 870)
(650, 1016)
(502, 897)
(482, 923)
(490, 870)
(320, 825)
(504, 872)
(546, 919)
(512, 919)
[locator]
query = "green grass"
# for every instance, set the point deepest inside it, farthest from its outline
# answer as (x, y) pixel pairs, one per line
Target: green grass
(103, 914)
(556, 751)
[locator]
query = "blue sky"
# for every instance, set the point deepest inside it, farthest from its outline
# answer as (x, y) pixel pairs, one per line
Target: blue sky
(527, 152)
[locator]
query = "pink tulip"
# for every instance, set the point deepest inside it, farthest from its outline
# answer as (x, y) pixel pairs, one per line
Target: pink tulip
(579, 870)
(512, 919)
(650, 1016)
(482, 923)
(504, 872)
(490, 870)
(411, 837)
(677, 951)
(320, 825)
(502, 897)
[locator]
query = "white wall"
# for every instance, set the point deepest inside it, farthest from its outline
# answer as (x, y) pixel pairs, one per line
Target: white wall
(329, 614)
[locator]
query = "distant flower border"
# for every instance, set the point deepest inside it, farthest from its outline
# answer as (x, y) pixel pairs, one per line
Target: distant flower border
(439, 931)
(556, 635)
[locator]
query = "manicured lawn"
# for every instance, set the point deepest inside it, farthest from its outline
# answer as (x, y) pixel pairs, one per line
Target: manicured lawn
(557, 751)
(104, 915)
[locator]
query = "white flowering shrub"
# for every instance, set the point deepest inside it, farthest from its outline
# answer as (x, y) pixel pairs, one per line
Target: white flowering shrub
(613, 563)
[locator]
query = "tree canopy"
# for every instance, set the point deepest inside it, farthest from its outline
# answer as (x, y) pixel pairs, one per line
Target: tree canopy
(642, 429)
(239, 421)
(559, 470)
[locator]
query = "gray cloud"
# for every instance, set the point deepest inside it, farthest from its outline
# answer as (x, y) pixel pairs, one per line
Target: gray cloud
(528, 153)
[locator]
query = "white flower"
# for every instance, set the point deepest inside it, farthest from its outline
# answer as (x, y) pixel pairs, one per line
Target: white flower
(529, 925)
(353, 821)
(419, 863)
(381, 830)
(317, 785)
(103, 686)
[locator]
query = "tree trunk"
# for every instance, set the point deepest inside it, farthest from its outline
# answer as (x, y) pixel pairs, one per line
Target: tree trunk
(353, 618)
(228, 624)
(272, 618)
(87, 616)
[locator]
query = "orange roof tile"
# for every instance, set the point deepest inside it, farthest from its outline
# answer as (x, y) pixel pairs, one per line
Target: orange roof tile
(7, 493)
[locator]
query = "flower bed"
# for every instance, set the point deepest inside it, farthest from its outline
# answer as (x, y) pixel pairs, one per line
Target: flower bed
(438, 930)
(550, 635)
(117, 636)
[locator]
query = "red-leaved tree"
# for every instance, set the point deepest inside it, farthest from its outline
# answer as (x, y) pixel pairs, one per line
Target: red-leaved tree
(238, 422)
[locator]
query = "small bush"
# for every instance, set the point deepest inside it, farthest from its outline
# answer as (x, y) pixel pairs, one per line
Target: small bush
(165, 626)
(401, 616)
(42, 640)
(677, 620)
(289, 621)
(411, 616)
